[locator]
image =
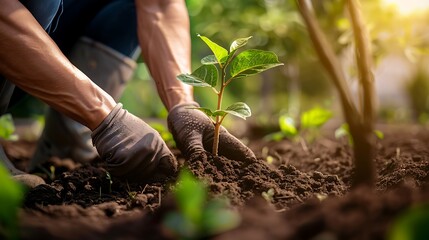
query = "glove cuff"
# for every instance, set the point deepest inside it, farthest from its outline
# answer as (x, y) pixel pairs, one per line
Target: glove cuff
(107, 120)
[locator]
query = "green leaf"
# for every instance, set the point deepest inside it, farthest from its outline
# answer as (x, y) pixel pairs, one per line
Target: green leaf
(379, 134)
(238, 109)
(218, 51)
(209, 60)
(251, 62)
(238, 43)
(412, 224)
(204, 76)
(277, 136)
(219, 218)
(315, 118)
(181, 225)
(287, 126)
(7, 127)
(206, 111)
(191, 196)
(342, 131)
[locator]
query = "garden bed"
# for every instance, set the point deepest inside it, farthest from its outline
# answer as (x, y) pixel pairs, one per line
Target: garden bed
(313, 198)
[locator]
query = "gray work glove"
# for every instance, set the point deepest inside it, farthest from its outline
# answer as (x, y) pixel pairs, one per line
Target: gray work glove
(193, 132)
(132, 149)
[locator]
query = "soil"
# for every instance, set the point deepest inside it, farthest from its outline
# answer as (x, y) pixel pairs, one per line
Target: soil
(313, 198)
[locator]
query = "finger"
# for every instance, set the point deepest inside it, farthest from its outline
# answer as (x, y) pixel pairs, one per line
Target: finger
(232, 148)
(192, 146)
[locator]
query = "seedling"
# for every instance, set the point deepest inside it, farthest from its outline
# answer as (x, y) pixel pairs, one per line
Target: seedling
(109, 178)
(197, 217)
(220, 69)
(308, 128)
(269, 195)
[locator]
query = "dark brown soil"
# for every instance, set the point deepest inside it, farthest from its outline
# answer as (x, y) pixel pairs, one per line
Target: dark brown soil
(312, 200)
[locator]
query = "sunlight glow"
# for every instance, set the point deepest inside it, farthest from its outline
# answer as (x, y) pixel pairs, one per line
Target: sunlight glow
(407, 7)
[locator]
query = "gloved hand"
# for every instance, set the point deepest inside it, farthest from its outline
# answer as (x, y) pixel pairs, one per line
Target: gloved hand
(132, 149)
(193, 132)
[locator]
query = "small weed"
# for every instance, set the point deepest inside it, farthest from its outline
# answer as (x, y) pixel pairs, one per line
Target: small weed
(269, 195)
(109, 178)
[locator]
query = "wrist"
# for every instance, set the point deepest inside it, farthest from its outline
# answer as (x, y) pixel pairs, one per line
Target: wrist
(99, 115)
(178, 96)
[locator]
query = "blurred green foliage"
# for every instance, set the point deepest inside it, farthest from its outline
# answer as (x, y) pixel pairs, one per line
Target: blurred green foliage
(276, 26)
(11, 197)
(411, 224)
(418, 94)
(197, 216)
(7, 127)
(307, 128)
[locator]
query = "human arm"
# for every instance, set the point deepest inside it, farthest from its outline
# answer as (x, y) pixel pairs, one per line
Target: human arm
(31, 60)
(166, 47)
(163, 31)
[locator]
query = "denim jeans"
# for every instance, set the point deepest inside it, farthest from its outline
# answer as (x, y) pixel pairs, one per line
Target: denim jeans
(111, 22)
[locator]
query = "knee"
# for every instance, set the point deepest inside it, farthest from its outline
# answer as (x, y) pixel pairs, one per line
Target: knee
(44, 11)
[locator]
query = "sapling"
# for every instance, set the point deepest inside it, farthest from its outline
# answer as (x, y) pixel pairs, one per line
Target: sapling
(220, 69)
(358, 115)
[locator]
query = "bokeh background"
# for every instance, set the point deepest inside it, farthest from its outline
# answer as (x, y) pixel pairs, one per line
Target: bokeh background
(399, 32)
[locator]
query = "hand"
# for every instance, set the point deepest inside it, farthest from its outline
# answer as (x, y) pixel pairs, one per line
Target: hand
(193, 132)
(132, 149)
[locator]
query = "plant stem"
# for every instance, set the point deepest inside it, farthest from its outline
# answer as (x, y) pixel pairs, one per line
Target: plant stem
(219, 119)
(363, 137)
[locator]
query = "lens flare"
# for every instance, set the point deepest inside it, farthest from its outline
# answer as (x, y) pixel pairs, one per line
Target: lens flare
(407, 7)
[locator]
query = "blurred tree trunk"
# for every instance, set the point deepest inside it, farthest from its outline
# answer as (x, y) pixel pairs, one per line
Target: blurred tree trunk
(359, 118)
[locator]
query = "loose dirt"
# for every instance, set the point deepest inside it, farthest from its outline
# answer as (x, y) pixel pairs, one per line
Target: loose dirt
(313, 198)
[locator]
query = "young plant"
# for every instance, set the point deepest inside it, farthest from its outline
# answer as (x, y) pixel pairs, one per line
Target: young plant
(358, 115)
(269, 195)
(197, 217)
(308, 128)
(220, 69)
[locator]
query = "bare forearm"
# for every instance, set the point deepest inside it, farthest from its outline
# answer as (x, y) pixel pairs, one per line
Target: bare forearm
(166, 47)
(31, 60)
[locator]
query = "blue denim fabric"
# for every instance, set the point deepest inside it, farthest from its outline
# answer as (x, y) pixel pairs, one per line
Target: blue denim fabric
(44, 11)
(111, 22)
